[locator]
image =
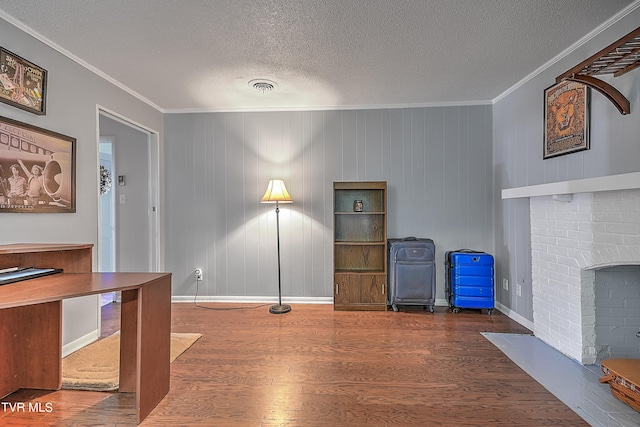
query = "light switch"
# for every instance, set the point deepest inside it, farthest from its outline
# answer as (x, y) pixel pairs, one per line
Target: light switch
(123, 199)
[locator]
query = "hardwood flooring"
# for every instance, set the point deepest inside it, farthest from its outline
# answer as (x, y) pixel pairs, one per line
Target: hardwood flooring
(319, 367)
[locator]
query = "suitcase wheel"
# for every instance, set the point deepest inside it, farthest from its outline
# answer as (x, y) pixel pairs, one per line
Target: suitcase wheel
(395, 307)
(429, 307)
(456, 310)
(490, 311)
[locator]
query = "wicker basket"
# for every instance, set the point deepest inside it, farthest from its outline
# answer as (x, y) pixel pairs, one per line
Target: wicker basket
(623, 377)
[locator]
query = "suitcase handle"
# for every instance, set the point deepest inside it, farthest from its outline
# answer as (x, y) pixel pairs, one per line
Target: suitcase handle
(409, 239)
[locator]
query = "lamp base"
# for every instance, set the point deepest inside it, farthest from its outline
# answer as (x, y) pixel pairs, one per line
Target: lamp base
(280, 309)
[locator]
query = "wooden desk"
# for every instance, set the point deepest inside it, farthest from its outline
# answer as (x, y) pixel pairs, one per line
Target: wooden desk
(31, 331)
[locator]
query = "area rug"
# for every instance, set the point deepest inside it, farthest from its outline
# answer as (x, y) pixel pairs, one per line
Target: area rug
(96, 366)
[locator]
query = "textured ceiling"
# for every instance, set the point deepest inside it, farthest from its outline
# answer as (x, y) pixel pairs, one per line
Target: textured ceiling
(198, 55)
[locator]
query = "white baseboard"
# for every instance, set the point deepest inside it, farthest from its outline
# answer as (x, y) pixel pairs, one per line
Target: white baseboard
(514, 316)
(288, 300)
(245, 299)
(75, 345)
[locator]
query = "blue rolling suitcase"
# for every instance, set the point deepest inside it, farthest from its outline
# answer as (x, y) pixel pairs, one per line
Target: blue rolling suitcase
(469, 280)
(412, 272)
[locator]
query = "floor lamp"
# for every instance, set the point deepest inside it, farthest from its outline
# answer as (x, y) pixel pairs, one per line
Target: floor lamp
(277, 193)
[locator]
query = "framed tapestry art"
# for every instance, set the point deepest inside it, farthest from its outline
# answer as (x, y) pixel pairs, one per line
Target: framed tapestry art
(22, 83)
(566, 119)
(37, 169)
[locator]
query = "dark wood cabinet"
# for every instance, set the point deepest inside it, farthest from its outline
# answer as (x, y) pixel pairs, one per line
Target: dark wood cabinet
(23, 332)
(360, 245)
(72, 258)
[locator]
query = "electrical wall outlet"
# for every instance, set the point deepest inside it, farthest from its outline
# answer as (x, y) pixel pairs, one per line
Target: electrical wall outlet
(518, 289)
(198, 273)
(505, 284)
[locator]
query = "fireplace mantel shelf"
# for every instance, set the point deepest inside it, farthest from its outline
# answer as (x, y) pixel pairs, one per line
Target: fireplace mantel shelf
(625, 181)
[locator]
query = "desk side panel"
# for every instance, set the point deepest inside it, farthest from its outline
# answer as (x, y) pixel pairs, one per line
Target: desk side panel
(154, 344)
(31, 347)
(9, 359)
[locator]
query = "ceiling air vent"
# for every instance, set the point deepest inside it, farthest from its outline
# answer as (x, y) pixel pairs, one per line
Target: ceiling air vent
(263, 85)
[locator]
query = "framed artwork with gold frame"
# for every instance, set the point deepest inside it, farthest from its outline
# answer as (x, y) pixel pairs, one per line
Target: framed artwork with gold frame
(23, 84)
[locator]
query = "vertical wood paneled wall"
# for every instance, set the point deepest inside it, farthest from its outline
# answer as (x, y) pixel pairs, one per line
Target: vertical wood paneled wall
(437, 162)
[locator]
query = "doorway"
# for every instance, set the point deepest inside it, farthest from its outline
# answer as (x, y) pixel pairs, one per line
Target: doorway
(127, 231)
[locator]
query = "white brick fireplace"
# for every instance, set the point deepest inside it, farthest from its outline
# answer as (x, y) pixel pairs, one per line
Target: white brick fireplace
(577, 229)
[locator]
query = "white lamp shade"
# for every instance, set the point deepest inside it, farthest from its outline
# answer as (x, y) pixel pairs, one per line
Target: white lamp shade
(276, 193)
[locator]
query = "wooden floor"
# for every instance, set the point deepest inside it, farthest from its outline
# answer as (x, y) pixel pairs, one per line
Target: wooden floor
(318, 367)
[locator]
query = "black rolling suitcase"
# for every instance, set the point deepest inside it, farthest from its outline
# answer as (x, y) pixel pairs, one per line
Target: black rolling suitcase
(412, 272)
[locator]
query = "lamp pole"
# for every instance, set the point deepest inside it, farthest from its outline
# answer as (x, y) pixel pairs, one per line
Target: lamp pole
(279, 309)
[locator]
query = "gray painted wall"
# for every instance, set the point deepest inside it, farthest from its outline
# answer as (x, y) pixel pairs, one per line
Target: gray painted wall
(518, 136)
(73, 94)
(437, 162)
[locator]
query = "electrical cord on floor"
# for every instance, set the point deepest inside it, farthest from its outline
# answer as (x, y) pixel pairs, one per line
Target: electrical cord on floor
(222, 308)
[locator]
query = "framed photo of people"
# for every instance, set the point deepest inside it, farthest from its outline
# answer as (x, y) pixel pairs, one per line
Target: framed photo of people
(23, 84)
(566, 119)
(37, 169)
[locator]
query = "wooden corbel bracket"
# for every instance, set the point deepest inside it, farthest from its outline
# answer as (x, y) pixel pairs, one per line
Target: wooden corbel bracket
(612, 94)
(618, 58)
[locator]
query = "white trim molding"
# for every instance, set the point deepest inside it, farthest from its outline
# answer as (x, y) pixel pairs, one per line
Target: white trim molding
(626, 181)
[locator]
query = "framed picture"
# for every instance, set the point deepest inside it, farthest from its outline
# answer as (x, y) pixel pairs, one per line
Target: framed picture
(22, 83)
(37, 169)
(566, 119)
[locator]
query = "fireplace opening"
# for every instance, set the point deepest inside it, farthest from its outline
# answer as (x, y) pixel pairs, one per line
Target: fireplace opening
(617, 312)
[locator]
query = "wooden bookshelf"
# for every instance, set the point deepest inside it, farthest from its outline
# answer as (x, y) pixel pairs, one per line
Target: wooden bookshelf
(360, 245)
